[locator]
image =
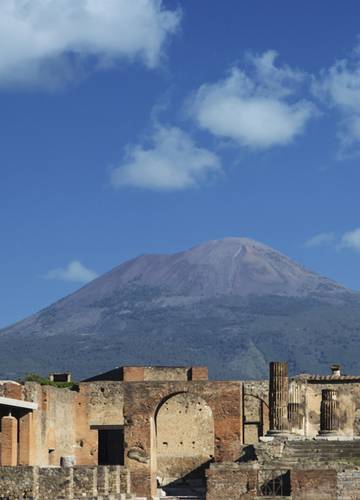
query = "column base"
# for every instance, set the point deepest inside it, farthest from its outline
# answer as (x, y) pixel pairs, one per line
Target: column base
(328, 435)
(276, 434)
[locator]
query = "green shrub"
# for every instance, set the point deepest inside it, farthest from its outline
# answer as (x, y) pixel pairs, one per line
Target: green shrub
(34, 377)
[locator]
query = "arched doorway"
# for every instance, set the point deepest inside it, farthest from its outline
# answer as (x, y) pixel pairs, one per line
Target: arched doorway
(255, 418)
(184, 441)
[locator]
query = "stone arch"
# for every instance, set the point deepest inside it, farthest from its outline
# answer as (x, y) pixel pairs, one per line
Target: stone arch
(256, 418)
(184, 427)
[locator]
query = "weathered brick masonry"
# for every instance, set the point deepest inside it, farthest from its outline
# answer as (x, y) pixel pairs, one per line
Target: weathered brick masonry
(165, 426)
(142, 402)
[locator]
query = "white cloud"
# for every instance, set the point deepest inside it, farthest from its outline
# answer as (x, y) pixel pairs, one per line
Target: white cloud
(254, 108)
(320, 240)
(351, 240)
(73, 272)
(44, 40)
(172, 162)
(339, 87)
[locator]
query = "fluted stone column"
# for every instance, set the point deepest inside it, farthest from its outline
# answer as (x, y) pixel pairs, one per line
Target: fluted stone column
(294, 408)
(279, 397)
(329, 412)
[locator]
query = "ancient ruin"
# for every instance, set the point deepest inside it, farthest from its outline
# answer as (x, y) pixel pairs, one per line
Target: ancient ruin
(153, 432)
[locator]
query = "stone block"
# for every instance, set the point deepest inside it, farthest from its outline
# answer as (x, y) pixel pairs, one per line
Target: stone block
(55, 482)
(16, 482)
(84, 481)
(133, 373)
(199, 373)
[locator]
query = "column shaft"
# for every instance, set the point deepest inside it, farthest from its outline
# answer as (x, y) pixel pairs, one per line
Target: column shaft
(9, 432)
(329, 412)
(279, 397)
(26, 439)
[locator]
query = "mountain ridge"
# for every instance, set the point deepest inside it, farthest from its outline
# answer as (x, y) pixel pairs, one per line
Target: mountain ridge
(235, 296)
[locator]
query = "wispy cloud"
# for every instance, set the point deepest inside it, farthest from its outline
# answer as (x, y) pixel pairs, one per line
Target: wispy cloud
(256, 106)
(320, 239)
(171, 162)
(339, 87)
(44, 42)
(74, 272)
(350, 240)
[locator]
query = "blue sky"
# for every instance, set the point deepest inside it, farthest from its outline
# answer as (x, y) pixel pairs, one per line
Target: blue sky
(136, 126)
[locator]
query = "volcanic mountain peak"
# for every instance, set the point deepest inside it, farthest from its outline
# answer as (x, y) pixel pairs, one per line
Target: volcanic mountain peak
(232, 304)
(231, 266)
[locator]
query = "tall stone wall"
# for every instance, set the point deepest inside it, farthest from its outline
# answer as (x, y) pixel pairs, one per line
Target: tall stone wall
(255, 410)
(53, 423)
(184, 436)
(98, 404)
(142, 400)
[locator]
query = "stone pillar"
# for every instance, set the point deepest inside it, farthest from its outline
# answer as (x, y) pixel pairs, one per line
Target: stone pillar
(329, 412)
(294, 408)
(9, 433)
(279, 398)
(26, 439)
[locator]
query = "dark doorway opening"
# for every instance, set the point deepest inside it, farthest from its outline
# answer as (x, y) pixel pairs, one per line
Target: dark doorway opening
(111, 447)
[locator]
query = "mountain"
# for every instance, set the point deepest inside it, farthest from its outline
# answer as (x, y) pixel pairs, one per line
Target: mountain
(233, 304)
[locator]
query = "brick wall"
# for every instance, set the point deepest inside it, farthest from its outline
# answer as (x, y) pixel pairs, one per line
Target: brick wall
(231, 482)
(199, 373)
(141, 403)
(313, 484)
(133, 373)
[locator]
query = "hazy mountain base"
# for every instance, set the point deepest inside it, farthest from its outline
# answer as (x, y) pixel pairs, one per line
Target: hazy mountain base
(235, 336)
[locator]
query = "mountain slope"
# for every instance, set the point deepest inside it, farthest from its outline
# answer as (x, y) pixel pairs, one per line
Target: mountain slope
(233, 304)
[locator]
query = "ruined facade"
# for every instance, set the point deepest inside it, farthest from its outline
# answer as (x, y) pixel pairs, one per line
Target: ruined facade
(151, 431)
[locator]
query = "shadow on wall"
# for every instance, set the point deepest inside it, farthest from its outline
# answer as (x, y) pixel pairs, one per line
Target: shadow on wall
(192, 484)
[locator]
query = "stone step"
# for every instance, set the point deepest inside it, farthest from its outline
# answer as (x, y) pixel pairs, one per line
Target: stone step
(183, 498)
(316, 453)
(323, 444)
(180, 497)
(321, 451)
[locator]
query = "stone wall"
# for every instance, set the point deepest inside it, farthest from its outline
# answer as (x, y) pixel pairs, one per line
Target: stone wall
(98, 404)
(155, 373)
(348, 485)
(185, 436)
(142, 400)
(53, 423)
(229, 481)
(10, 389)
(43, 483)
(313, 484)
(348, 395)
(256, 410)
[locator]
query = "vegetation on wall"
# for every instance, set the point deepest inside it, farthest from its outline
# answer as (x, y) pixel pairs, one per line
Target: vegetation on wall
(34, 377)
